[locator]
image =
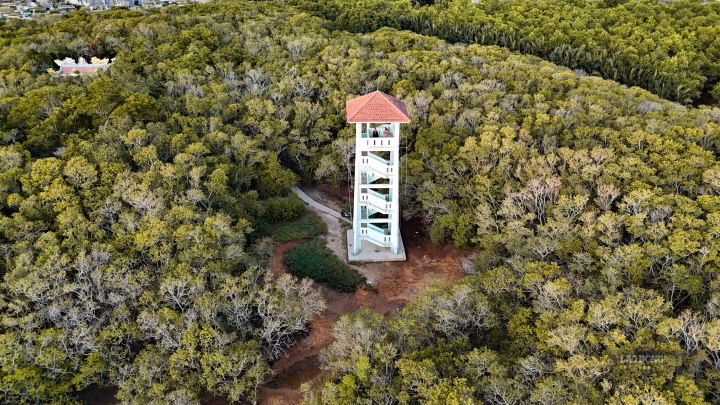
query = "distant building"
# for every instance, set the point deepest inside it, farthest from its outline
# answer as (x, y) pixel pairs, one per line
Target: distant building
(68, 66)
(64, 9)
(29, 9)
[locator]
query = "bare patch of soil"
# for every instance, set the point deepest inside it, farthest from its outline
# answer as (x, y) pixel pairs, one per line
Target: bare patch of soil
(331, 196)
(341, 194)
(277, 267)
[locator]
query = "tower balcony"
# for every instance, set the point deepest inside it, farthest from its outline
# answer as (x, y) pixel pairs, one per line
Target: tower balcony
(370, 215)
(378, 136)
(383, 131)
(375, 166)
(371, 143)
(375, 159)
(375, 180)
(376, 201)
(376, 234)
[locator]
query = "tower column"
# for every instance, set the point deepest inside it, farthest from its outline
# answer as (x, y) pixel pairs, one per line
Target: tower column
(357, 243)
(395, 193)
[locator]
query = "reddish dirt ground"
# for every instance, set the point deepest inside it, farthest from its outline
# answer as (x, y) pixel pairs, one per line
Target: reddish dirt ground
(329, 195)
(277, 267)
(341, 194)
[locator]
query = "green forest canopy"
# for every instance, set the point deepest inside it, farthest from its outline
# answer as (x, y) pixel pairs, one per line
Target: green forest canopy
(128, 202)
(671, 48)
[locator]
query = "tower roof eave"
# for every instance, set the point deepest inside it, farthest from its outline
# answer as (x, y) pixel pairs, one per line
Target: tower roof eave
(376, 107)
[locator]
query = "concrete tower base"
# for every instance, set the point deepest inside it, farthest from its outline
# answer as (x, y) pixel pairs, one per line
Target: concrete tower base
(370, 252)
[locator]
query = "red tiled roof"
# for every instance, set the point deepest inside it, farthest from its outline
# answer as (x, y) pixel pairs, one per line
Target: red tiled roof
(376, 107)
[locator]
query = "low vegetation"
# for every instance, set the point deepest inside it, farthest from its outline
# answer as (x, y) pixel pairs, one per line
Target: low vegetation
(283, 209)
(312, 259)
(286, 219)
(307, 227)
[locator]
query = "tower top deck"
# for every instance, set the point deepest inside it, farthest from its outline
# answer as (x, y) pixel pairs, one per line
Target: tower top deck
(376, 107)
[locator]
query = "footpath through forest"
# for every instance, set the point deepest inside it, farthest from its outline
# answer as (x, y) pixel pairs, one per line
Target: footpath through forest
(318, 206)
(394, 284)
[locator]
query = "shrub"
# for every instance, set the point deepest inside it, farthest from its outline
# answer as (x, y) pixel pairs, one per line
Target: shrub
(312, 259)
(306, 227)
(281, 209)
(275, 179)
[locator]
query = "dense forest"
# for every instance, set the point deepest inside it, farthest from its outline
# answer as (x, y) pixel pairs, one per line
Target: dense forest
(670, 48)
(130, 204)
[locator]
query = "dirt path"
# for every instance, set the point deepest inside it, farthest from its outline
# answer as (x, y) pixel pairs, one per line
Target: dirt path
(318, 206)
(330, 196)
(396, 283)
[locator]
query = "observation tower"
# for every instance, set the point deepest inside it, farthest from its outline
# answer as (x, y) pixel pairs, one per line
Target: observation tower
(375, 235)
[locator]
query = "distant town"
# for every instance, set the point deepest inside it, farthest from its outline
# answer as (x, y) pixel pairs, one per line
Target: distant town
(27, 9)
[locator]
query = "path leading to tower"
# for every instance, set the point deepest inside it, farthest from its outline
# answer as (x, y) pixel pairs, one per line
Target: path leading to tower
(395, 284)
(318, 206)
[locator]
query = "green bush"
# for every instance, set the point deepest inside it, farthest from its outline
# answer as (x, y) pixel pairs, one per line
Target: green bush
(306, 227)
(312, 259)
(281, 209)
(275, 179)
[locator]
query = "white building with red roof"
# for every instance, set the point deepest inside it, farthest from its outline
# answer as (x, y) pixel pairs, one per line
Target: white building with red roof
(376, 211)
(68, 66)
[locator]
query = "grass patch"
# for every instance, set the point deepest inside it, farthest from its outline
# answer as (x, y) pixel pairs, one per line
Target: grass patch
(312, 259)
(307, 226)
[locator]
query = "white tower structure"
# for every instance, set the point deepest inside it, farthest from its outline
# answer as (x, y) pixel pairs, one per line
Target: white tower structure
(376, 210)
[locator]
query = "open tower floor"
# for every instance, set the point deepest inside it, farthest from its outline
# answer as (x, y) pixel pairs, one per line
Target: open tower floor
(371, 252)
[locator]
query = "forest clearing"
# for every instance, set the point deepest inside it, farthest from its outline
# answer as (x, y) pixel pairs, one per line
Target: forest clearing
(394, 284)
